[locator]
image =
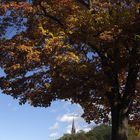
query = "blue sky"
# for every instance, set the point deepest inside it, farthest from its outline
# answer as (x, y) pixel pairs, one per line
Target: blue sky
(29, 123)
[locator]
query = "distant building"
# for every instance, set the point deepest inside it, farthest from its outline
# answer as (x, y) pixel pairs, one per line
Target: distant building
(73, 130)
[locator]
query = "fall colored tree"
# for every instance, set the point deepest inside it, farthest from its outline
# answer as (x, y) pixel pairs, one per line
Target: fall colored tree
(85, 51)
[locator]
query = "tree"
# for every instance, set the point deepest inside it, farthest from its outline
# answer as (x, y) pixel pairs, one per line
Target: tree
(101, 132)
(83, 50)
(78, 136)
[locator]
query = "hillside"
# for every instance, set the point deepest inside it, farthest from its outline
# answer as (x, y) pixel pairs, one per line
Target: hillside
(101, 132)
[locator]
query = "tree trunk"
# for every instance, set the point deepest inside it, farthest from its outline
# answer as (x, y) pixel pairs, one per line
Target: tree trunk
(119, 123)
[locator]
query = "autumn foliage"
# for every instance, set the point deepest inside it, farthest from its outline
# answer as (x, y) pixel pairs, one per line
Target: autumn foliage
(85, 51)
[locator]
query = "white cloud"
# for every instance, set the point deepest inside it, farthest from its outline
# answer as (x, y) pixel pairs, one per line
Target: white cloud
(68, 129)
(53, 135)
(55, 126)
(69, 117)
(87, 128)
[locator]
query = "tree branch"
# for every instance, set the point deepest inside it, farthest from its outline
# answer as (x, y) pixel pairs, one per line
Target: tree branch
(51, 16)
(90, 3)
(85, 3)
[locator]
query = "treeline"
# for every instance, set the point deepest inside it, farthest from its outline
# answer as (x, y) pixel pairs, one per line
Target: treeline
(102, 132)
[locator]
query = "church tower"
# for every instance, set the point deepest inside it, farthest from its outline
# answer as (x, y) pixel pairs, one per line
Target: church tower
(73, 130)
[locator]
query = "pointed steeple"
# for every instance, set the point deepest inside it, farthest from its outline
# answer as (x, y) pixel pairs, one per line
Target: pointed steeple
(73, 130)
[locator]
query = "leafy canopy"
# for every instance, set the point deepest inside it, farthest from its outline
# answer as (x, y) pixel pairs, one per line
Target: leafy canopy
(85, 51)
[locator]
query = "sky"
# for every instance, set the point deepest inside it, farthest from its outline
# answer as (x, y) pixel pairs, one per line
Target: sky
(28, 123)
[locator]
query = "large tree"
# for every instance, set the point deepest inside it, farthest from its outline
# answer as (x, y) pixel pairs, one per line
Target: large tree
(85, 51)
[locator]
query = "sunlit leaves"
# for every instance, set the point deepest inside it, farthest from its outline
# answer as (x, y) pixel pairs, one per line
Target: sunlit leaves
(70, 50)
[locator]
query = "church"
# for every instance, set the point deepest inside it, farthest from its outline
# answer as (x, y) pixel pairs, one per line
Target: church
(73, 130)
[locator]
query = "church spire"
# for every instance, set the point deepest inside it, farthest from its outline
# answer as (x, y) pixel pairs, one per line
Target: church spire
(73, 130)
